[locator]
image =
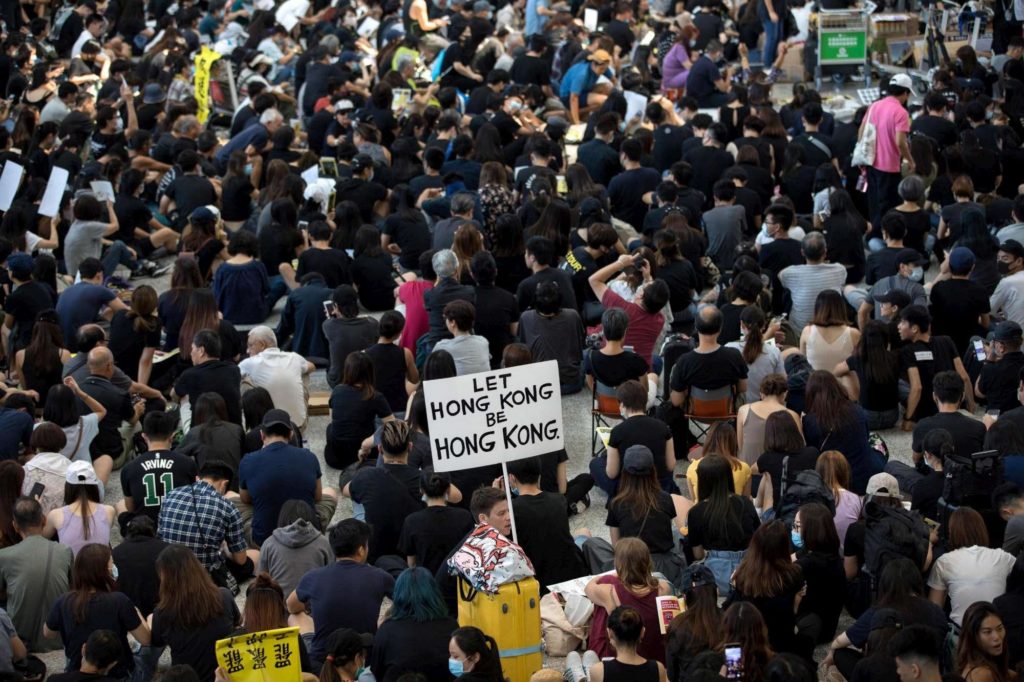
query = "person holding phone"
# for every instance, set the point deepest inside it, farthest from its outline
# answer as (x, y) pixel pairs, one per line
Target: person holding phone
(999, 377)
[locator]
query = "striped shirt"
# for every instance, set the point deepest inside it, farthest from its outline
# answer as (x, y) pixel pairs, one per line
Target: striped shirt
(805, 282)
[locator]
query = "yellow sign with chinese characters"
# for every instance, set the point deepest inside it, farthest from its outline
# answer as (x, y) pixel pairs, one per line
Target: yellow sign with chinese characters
(269, 656)
(204, 61)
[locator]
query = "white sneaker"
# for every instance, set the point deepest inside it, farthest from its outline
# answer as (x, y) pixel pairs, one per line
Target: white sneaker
(589, 659)
(574, 670)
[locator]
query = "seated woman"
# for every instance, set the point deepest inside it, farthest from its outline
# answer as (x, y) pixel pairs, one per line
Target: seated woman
(613, 364)
(831, 419)
(835, 474)
(633, 586)
(743, 624)
(828, 339)
(212, 436)
(62, 409)
(38, 366)
(721, 442)
(871, 375)
(135, 335)
(48, 467)
(83, 520)
(784, 449)
(817, 554)
(983, 654)
(256, 402)
(752, 418)
(763, 358)
(699, 627)
(355, 404)
(624, 631)
(241, 284)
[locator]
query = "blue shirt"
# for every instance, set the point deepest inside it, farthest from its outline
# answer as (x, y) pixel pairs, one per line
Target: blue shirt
(272, 476)
(578, 80)
(535, 23)
(255, 135)
(15, 430)
(703, 76)
(80, 304)
(240, 291)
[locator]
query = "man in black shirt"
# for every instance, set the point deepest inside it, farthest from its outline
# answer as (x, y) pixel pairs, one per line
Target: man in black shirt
(584, 261)
(636, 428)
(619, 30)
(446, 289)
(188, 191)
(210, 374)
(542, 524)
(597, 155)
(669, 134)
(27, 299)
(781, 252)
(997, 382)
(531, 68)
(934, 123)
(361, 188)
(319, 72)
(116, 401)
(146, 479)
(429, 535)
(709, 161)
(960, 307)
(709, 366)
(922, 358)
(540, 258)
(817, 146)
(968, 433)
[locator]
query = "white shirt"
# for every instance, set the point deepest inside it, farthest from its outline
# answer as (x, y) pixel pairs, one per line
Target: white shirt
(969, 575)
(282, 374)
(1008, 297)
(76, 49)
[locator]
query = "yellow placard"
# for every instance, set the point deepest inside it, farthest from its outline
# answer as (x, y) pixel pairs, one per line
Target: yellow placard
(204, 60)
(269, 656)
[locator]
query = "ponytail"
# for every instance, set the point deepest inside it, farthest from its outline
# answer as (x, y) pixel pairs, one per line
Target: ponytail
(754, 319)
(328, 673)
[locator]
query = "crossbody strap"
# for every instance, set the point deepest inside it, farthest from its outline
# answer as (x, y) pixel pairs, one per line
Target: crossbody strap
(195, 510)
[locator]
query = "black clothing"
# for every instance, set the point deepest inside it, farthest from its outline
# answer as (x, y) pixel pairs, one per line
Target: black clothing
(543, 524)
(431, 534)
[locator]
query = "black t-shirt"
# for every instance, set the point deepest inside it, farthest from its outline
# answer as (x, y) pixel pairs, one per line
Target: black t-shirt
(333, 264)
(621, 34)
(543, 524)
(373, 276)
(196, 647)
(654, 528)
(926, 493)
(643, 430)
(581, 265)
(119, 408)
(874, 396)
(496, 311)
(681, 279)
(881, 264)
(775, 257)
(668, 145)
(352, 417)
(817, 148)
(127, 345)
(530, 70)
(955, 306)
(712, 162)
(189, 192)
(412, 235)
(148, 478)
(136, 570)
(938, 128)
(236, 198)
(930, 358)
(778, 611)
(217, 376)
(132, 214)
(999, 380)
(112, 611)
(613, 370)
(387, 502)
(708, 371)
(771, 464)
(733, 536)
(277, 246)
(431, 534)
(968, 434)
(364, 194)
(24, 304)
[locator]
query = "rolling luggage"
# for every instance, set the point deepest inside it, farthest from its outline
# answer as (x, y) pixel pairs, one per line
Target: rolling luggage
(512, 618)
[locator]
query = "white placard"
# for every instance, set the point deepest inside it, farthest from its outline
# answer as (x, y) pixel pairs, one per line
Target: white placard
(636, 104)
(311, 175)
(9, 183)
(55, 187)
(590, 19)
(289, 13)
(494, 417)
(368, 27)
(103, 190)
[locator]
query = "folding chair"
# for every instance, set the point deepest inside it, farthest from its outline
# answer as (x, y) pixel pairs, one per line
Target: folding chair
(706, 407)
(605, 407)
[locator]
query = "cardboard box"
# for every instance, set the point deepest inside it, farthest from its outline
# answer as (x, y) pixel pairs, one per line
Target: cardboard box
(887, 25)
(793, 63)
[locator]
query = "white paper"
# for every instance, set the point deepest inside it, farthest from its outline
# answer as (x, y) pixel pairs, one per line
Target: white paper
(647, 39)
(311, 175)
(9, 183)
(590, 19)
(55, 187)
(103, 190)
(635, 104)
(575, 586)
(290, 11)
(494, 417)
(368, 27)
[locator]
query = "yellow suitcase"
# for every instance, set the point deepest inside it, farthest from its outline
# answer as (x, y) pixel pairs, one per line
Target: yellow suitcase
(512, 618)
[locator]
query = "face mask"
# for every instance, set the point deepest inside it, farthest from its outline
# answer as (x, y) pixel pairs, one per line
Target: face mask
(622, 126)
(113, 572)
(359, 673)
(989, 115)
(515, 492)
(1003, 268)
(917, 274)
(248, 169)
(515, 106)
(455, 667)
(794, 536)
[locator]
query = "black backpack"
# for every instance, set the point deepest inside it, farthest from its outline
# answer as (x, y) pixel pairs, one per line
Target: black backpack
(970, 479)
(804, 487)
(891, 533)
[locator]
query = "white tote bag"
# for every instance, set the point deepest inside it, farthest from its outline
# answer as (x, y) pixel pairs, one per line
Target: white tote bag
(864, 151)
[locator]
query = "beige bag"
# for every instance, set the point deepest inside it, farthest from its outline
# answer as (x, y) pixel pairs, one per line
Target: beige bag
(560, 636)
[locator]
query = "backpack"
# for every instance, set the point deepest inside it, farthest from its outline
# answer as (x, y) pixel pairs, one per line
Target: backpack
(970, 479)
(891, 533)
(805, 487)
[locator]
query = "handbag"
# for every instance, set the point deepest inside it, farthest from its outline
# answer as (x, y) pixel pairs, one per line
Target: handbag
(221, 576)
(864, 150)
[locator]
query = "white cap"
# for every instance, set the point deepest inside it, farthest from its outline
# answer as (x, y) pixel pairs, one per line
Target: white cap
(81, 473)
(902, 80)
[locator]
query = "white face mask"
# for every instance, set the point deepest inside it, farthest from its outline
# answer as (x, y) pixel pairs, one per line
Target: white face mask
(917, 274)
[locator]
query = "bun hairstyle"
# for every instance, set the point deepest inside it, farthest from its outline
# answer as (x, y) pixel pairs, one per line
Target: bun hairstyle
(434, 485)
(626, 624)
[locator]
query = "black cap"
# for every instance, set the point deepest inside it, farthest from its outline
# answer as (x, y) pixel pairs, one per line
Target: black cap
(909, 256)
(697, 575)
(361, 162)
(1008, 330)
(638, 460)
(897, 297)
(886, 618)
(1013, 247)
(276, 417)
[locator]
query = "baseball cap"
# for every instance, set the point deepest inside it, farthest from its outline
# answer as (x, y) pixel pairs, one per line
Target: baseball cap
(81, 473)
(886, 618)
(202, 213)
(276, 417)
(1007, 330)
(961, 259)
(883, 485)
(697, 575)
(343, 105)
(361, 162)
(909, 256)
(901, 80)
(600, 56)
(20, 265)
(1012, 247)
(638, 459)
(897, 297)
(153, 94)
(481, 6)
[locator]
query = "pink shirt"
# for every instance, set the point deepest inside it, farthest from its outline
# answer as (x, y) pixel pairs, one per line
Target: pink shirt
(889, 117)
(416, 320)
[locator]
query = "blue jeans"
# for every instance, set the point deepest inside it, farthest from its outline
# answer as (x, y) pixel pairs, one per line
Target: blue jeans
(116, 254)
(772, 38)
(146, 661)
(723, 564)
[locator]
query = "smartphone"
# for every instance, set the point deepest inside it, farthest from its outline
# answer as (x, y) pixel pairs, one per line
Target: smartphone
(994, 413)
(331, 308)
(37, 490)
(733, 662)
(628, 349)
(638, 260)
(979, 350)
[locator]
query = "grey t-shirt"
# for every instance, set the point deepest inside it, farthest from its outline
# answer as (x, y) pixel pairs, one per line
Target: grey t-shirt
(471, 353)
(84, 240)
(33, 584)
(444, 231)
(725, 226)
(1013, 539)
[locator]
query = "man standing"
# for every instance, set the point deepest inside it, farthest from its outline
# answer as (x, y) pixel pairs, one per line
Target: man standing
(280, 472)
(34, 573)
(892, 124)
(805, 282)
(210, 374)
(345, 594)
(283, 374)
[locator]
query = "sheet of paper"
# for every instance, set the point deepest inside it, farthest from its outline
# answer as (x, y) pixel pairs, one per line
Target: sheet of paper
(647, 39)
(590, 19)
(55, 187)
(311, 175)
(9, 183)
(368, 27)
(575, 586)
(103, 190)
(635, 104)
(290, 11)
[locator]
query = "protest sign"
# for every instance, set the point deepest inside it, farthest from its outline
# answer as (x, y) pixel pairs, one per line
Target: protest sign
(55, 187)
(494, 417)
(268, 656)
(204, 62)
(10, 181)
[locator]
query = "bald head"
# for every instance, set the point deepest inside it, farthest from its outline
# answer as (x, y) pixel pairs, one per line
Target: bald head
(101, 362)
(709, 321)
